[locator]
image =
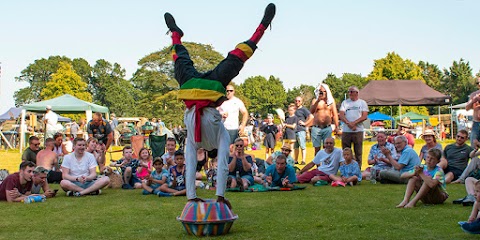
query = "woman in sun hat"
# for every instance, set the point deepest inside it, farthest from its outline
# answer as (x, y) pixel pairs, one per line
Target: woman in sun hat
(430, 142)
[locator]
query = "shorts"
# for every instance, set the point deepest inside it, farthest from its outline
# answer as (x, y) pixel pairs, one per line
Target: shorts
(301, 140)
(455, 171)
(320, 134)
(179, 188)
(85, 185)
(134, 180)
(233, 133)
(435, 196)
(54, 177)
(249, 178)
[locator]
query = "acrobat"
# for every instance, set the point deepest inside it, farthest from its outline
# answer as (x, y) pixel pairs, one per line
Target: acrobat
(202, 93)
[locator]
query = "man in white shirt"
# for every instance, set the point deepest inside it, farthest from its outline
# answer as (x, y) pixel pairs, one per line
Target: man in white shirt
(50, 121)
(79, 172)
(230, 111)
(353, 112)
(327, 162)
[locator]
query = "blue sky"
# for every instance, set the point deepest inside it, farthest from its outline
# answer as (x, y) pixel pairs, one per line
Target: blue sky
(308, 39)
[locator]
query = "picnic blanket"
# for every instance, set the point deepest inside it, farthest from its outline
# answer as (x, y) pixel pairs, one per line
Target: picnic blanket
(261, 188)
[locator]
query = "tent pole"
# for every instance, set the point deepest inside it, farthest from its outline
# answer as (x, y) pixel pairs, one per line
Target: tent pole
(22, 133)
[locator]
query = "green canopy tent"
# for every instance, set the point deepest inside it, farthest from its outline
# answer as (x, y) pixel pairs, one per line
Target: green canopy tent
(63, 104)
(413, 116)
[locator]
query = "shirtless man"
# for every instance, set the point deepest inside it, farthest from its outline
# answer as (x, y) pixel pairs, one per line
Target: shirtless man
(47, 159)
(324, 112)
(474, 103)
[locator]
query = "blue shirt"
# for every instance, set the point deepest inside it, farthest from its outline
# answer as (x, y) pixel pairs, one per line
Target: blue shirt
(409, 158)
(376, 151)
(277, 178)
(350, 170)
(159, 176)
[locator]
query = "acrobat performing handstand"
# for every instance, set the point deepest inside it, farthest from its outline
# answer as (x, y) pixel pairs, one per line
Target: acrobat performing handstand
(202, 93)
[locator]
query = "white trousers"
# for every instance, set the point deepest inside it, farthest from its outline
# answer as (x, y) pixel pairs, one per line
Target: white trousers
(214, 136)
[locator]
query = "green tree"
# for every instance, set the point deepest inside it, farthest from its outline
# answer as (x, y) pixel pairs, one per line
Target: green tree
(305, 91)
(264, 95)
(111, 89)
(40, 72)
(393, 67)
(65, 81)
(458, 81)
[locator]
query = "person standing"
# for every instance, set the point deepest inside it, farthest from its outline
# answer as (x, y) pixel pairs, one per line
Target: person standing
(324, 113)
(304, 119)
(474, 103)
(50, 119)
(74, 129)
(353, 112)
(230, 110)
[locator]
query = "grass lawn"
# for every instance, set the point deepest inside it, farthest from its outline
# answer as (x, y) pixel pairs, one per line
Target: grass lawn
(362, 212)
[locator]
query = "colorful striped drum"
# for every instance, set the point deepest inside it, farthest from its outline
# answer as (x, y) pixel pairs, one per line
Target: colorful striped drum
(208, 218)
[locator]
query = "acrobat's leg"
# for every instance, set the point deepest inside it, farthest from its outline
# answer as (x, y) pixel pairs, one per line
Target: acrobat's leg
(230, 67)
(184, 69)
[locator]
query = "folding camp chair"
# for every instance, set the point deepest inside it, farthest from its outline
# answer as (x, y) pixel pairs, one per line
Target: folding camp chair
(137, 142)
(157, 144)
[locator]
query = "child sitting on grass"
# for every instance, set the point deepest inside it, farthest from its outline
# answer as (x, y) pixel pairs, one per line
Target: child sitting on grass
(159, 176)
(473, 224)
(176, 185)
(428, 181)
(349, 171)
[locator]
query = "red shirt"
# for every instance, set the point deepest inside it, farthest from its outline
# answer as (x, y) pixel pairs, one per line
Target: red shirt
(11, 182)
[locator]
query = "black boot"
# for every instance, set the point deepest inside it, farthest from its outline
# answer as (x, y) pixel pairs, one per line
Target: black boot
(268, 16)
(172, 26)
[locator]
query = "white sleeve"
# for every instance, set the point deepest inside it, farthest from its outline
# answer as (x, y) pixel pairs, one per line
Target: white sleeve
(67, 161)
(364, 106)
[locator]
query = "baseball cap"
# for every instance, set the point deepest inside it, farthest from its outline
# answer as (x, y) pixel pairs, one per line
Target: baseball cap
(48, 107)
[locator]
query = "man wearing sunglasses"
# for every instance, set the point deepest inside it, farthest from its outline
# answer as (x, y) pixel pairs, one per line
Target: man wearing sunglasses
(230, 110)
(474, 103)
(455, 157)
(30, 154)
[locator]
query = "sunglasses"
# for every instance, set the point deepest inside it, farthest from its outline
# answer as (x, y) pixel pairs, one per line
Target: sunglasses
(352, 91)
(238, 145)
(230, 90)
(36, 144)
(461, 137)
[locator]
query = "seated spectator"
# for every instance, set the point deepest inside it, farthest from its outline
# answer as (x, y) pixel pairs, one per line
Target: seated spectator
(472, 225)
(18, 186)
(240, 166)
(79, 172)
(176, 183)
(428, 181)
(157, 178)
(129, 166)
(144, 164)
(48, 159)
(285, 150)
(408, 158)
(212, 174)
(280, 174)
(97, 150)
(430, 143)
(376, 158)
(349, 171)
(39, 181)
(169, 156)
(202, 159)
(30, 154)
(403, 131)
(455, 157)
(327, 162)
(473, 167)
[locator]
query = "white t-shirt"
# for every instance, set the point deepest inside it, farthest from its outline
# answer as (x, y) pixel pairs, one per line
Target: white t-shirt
(52, 120)
(232, 107)
(329, 162)
(167, 155)
(353, 111)
(79, 168)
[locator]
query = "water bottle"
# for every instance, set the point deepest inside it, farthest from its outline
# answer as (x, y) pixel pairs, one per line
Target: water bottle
(373, 175)
(238, 174)
(32, 199)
